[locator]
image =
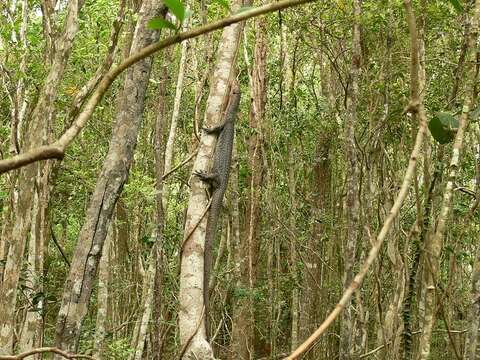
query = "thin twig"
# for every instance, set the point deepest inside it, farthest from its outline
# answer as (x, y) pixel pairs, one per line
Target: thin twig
(180, 165)
(54, 238)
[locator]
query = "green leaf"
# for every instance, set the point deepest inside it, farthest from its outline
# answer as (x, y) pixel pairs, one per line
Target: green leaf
(177, 8)
(443, 127)
(158, 23)
(457, 5)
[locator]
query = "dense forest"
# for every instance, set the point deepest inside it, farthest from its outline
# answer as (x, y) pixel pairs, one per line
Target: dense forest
(222, 179)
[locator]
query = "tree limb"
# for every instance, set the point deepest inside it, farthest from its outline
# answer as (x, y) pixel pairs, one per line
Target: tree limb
(45, 350)
(57, 149)
(414, 106)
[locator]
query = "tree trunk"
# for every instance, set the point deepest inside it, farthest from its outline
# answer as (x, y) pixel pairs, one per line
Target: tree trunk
(78, 286)
(473, 323)
(434, 244)
(192, 323)
(175, 115)
(160, 126)
(146, 309)
(32, 331)
(102, 296)
(348, 346)
(243, 323)
(37, 134)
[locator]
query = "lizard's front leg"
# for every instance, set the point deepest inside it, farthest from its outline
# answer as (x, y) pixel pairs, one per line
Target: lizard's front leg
(212, 179)
(215, 130)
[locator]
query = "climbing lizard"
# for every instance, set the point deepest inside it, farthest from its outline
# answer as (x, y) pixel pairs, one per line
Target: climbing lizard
(217, 178)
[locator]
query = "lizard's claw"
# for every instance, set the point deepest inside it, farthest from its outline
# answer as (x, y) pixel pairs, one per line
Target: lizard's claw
(207, 130)
(201, 174)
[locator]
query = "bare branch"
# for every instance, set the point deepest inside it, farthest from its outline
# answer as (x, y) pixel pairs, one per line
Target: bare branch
(57, 149)
(417, 107)
(82, 94)
(45, 350)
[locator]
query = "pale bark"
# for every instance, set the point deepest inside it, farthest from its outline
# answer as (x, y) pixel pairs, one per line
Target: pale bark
(191, 315)
(79, 283)
(423, 213)
(473, 323)
(473, 319)
(148, 291)
(348, 345)
(31, 333)
(434, 244)
(37, 134)
(175, 115)
(102, 297)
(243, 325)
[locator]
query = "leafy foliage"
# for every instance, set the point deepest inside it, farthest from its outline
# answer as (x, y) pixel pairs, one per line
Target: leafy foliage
(457, 5)
(177, 9)
(159, 23)
(443, 127)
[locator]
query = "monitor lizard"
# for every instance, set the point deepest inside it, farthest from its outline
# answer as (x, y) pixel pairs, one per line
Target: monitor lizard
(217, 179)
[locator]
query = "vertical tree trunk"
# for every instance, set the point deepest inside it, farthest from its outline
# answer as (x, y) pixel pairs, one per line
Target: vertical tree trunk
(37, 134)
(160, 126)
(175, 115)
(239, 341)
(473, 323)
(434, 244)
(243, 324)
(311, 297)
(295, 307)
(424, 214)
(31, 333)
(146, 309)
(348, 346)
(102, 296)
(18, 103)
(192, 323)
(79, 283)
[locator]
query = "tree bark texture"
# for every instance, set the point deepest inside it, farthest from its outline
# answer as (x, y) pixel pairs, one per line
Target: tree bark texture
(434, 244)
(244, 317)
(37, 134)
(348, 346)
(192, 323)
(114, 173)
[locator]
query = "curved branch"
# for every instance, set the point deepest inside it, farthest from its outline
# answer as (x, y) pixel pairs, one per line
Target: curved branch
(415, 106)
(357, 281)
(45, 350)
(57, 149)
